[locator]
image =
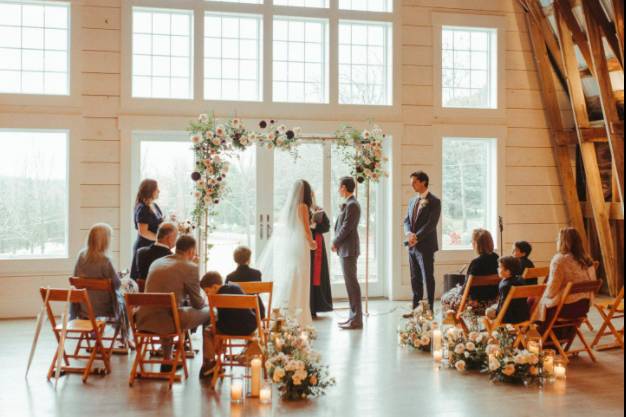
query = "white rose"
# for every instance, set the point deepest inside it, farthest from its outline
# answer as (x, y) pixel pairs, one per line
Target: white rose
(460, 366)
(533, 359)
(196, 139)
(425, 341)
(494, 364)
(521, 359)
(279, 374)
(459, 349)
(470, 346)
(473, 336)
(216, 141)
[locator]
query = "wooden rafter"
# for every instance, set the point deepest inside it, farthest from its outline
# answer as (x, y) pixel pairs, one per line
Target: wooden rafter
(588, 151)
(618, 13)
(577, 33)
(607, 98)
(555, 121)
(595, 9)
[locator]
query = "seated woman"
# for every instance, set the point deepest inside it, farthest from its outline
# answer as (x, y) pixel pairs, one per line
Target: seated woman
(522, 250)
(94, 262)
(570, 264)
(485, 264)
(518, 311)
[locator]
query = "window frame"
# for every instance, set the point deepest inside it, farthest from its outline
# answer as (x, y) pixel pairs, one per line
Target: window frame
(72, 125)
(467, 131)
(460, 114)
(73, 99)
(223, 108)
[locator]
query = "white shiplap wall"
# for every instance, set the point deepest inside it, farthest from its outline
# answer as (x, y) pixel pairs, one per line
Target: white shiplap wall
(533, 207)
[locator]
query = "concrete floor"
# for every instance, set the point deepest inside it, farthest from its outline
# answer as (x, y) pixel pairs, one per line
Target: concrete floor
(375, 378)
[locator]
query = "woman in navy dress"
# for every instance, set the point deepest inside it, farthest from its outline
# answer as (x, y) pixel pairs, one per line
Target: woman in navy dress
(148, 217)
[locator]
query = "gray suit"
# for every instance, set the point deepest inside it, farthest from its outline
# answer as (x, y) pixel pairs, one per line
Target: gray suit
(349, 248)
(173, 274)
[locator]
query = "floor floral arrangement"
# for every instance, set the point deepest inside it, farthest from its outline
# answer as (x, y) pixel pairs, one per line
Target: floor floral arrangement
(417, 332)
(467, 351)
(293, 365)
(512, 365)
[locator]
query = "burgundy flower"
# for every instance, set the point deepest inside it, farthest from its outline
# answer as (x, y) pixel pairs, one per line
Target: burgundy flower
(263, 124)
(196, 176)
(290, 134)
(360, 180)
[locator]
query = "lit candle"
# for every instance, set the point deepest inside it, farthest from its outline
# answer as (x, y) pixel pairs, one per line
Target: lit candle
(437, 340)
(533, 347)
(266, 394)
(256, 366)
(548, 365)
(438, 356)
(560, 372)
(236, 391)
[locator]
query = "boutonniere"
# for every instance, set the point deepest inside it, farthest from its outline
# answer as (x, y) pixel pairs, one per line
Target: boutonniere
(343, 206)
(424, 203)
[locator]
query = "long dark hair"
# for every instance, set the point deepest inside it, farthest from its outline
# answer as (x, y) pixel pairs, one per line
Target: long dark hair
(307, 197)
(571, 242)
(146, 191)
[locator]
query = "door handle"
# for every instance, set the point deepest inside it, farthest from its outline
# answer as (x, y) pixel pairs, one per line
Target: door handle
(261, 227)
(269, 228)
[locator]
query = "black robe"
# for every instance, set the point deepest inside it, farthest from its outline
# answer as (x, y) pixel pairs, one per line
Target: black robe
(321, 296)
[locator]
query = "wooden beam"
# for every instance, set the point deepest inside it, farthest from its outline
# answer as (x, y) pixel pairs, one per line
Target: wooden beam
(592, 134)
(577, 33)
(607, 97)
(555, 121)
(588, 152)
(614, 209)
(613, 64)
(618, 13)
(593, 8)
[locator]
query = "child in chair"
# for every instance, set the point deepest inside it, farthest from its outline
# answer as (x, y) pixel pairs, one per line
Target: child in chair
(518, 311)
(522, 250)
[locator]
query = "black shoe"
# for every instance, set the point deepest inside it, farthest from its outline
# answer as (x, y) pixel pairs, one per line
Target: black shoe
(168, 368)
(343, 323)
(407, 315)
(352, 326)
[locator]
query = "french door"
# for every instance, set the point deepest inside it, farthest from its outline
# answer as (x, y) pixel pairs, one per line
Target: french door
(259, 183)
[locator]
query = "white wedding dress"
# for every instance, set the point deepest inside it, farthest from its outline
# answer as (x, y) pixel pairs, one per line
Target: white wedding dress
(287, 261)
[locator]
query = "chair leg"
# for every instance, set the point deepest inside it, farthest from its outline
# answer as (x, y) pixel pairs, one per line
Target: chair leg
(92, 357)
(586, 345)
(602, 330)
(558, 346)
(138, 358)
(183, 358)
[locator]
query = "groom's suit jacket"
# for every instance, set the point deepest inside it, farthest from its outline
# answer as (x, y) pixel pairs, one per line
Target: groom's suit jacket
(347, 229)
(425, 225)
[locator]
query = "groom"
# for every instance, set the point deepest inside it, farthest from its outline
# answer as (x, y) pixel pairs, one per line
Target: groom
(347, 247)
(420, 228)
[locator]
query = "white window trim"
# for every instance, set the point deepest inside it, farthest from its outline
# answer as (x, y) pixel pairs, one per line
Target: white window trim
(330, 111)
(73, 100)
(478, 132)
(462, 115)
(73, 125)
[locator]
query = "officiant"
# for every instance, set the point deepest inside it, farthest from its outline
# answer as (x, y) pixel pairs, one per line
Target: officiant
(321, 296)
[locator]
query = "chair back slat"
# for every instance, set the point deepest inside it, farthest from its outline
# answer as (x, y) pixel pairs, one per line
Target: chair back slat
(61, 294)
(93, 284)
(585, 287)
(234, 301)
(485, 281)
(150, 299)
(528, 291)
(535, 273)
(256, 288)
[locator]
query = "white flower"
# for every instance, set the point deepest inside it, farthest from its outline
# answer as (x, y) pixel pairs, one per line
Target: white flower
(209, 135)
(365, 134)
(521, 359)
(197, 195)
(216, 141)
(509, 370)
(473, 336)
(282, 128)
(533, 359)
(244, 140)
(219, 131)
(480, 338)
(236, 123)
(459, 349)
(467, 355)
(271, 136)
(279, 374)
(494, 364)
(196, 139)
(460, 366)
(203, 118)
(492, 350)
(425, 341)
(470, 346)
(299, 376)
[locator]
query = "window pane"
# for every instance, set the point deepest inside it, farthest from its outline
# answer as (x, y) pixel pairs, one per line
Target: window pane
(365, 57)
(162, 53)
(469, 190)
(469, 70)
(29, 33)
(237, 1)
(367, 5)
(35, 194)
(300, 54)
(302, 3)
(234, 44)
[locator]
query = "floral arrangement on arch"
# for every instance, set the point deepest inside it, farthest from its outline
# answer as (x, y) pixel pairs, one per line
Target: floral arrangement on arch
(212, 142)
(293, 365)
(511, 365)
(466, 352)
(184, 227)
(363, 149)
(417, 332)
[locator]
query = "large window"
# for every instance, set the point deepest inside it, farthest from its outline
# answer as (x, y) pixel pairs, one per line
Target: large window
(35, 194)
(364, 63)
(34, 47)
(162, 53)
(233, 57)
(469, 68)
(469, 190)
(300, 60)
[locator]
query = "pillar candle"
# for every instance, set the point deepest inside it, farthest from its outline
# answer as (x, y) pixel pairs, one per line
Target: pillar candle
(560, 372)
(256, 366)
(266, 395)
(236, 391)
(437, 340)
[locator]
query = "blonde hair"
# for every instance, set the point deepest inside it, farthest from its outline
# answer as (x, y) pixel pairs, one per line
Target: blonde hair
(98, 242)
(571, 242)
(483, 241)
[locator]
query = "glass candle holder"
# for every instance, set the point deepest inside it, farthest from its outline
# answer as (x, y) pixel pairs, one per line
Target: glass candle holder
(560, 369)
(265, 395)
(549, 359)
(237, 391)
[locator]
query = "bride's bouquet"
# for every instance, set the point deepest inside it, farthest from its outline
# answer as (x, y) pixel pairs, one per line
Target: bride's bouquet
(293, 365)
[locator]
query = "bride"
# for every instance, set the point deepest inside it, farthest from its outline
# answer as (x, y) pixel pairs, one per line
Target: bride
(287, 257)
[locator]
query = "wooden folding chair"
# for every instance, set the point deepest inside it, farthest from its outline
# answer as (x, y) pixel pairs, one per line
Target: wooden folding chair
(261, 288)
(87, 331)
(473, 282)
(144, 341)
(104, 285)
(564, 345)
(610, 310)
(517, 293)
(540, 274)
(225, 344)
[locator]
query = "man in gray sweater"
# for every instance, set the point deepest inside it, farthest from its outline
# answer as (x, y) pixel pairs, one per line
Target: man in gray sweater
(178, 274)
